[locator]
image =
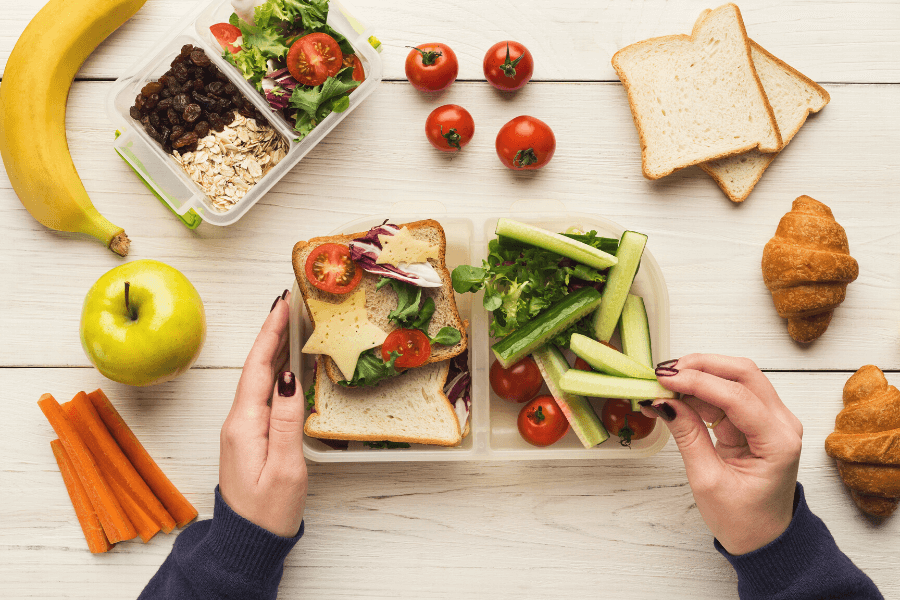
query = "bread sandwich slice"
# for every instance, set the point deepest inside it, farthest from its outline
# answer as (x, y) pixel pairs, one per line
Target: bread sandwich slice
(380, 301)
(792, 96)
(697, 98)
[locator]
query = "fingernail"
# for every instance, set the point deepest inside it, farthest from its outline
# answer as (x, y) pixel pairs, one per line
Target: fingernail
(284, 295)
(665, 371)
(664, 410)
(646, 402)
(287, 384)
(277, 298)
(668, 363)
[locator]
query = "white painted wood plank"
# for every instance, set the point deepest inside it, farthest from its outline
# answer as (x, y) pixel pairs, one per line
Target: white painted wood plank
(708, 248)
(572, 40)
(484, 530)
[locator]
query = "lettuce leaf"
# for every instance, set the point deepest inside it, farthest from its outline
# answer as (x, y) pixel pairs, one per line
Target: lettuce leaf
(370, 369)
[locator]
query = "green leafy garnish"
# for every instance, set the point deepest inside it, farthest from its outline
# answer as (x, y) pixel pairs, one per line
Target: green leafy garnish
(448, 336)
(370, 369)
(413, 313)
(310, 396)
(386, 445)
(316, 103)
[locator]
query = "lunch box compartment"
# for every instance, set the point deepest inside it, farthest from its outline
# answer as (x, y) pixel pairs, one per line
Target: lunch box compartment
(494, 434)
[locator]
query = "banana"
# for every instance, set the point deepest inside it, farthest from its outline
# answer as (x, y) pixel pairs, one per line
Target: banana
(33, 96)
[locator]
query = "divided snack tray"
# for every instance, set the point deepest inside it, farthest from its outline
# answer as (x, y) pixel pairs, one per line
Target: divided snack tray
(494, 434)
(159, 170)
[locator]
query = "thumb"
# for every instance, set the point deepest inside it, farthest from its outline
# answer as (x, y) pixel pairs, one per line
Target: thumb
(286, 423)
(701, 462)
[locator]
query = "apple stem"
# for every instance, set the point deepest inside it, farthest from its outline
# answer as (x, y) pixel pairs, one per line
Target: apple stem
(127, 305)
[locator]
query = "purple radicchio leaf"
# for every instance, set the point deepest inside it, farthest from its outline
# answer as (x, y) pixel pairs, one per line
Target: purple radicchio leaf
(459, 387)
(366, 249)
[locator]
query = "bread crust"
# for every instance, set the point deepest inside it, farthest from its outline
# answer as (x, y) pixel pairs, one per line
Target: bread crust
(302, 250)
(636, 115)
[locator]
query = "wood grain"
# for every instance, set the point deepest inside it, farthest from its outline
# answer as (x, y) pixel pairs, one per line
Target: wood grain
(483, 530)
(708, 248)
(572, 40)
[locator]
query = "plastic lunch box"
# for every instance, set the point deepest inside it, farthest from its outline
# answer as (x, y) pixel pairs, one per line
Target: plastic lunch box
(161, 173)
(494, 434)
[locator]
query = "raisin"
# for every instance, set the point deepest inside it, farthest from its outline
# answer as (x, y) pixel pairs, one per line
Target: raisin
(204, 101)
(166, 93)
(180, 102)
(145, 121)
(187, 49)
(191, 113)
(197, 85)
(237, 99)
(221, 76)
(164, 135)
(167, 147)
(139, 102)
(215, 88)
(216, 122)
(187, 138)
(166, 103)
(177, 132)
(247, 112)
(172, 84)
(174, 119)
(201, 129)
(199, 58)
(181, 73)
(135, 113)
(227, 117)
(154, 87)
(151, 131)
(151, 102)
(154, 119)
(230, 88)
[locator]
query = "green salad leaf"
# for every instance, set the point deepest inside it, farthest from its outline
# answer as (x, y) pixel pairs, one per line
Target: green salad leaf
(370, 369)
(310, 396)
(316, 103)
(386, 445)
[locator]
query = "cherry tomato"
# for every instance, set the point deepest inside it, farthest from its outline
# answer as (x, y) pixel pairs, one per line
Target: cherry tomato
(413, 345)
(330, 268)
(620, 420)
(431, 67)
(519, 383)
(582, 364)
(508, 66)
(449, 128)
(359, 74)
(525, 143)
(314, 58)
(541, 422)
(226, 34)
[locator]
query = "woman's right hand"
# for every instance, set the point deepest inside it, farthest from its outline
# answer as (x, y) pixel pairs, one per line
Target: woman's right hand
(744, 484)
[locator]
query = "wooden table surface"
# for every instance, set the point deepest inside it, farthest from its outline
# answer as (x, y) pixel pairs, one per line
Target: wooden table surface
(547, 529)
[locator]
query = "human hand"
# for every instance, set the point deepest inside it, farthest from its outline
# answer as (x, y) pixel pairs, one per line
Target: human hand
(744, 485)
(262, 472)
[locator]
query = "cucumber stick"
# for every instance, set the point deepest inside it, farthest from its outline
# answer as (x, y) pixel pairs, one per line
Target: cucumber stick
(555, 242)
(621, 276)
(578, 410)
(534, 334)
(607, 360)
(634, 329)
(585, 383)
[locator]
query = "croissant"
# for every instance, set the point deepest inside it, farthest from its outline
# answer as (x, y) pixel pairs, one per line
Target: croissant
(807, 267)
(866, 441)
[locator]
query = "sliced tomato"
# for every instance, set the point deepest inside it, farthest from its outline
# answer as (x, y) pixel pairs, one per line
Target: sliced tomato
(581, 364)
(330, 268)
(413, 346)
(226, 34)
(352, 60)
(314, 58)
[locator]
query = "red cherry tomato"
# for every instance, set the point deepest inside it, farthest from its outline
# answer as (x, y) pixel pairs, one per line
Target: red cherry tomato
(449, 127)
(525, 143)
(226, 34)
(620, 420)
(582, 364)
(508, 66)
(431, 67)
(541, 422)
(314, 58)
(413, 345)
(359, 74)
(330, 268)
(519, 383)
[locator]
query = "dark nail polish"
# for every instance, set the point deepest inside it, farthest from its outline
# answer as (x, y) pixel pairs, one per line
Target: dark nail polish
(665, 371)
(665, 411)
(646, 402)
(668, 363)
(284, 295)
(277, 298)
(287, 384)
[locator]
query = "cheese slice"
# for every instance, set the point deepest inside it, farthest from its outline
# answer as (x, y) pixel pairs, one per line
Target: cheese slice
(343, 331)
(402, 247)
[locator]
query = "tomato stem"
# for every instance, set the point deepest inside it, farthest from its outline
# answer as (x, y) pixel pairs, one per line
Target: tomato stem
(509, 67)
(625, 434)
(429, 57)
(452, 137)
(523, 158)
(538, 415)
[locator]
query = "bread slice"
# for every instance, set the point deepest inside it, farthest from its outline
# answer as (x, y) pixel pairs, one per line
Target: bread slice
(696, 98)
(381, 302)
(793, 96)
(409, 408)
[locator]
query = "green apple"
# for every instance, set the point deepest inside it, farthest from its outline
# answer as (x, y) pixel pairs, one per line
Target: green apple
(143, 323)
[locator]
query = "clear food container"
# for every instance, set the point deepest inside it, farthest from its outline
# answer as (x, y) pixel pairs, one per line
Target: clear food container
(494, 434)
(161, 173)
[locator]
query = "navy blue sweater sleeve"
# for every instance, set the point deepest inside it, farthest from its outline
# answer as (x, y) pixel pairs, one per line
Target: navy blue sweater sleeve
(227, 557)
(804, 563)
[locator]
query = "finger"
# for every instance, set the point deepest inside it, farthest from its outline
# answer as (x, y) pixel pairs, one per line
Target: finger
(724, 430)
(761, 425)
(701, 462)
(286, 425)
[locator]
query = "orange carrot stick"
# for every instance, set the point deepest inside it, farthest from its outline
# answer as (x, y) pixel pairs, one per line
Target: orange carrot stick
(145, 525)
(87, 516)
(114, 464)
(177, 505)
(113, 518)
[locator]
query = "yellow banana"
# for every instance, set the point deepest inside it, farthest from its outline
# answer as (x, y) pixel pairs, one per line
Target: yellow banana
(33, 95)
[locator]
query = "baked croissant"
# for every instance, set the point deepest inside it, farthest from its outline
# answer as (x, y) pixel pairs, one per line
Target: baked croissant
(807, 267)
(866, 441)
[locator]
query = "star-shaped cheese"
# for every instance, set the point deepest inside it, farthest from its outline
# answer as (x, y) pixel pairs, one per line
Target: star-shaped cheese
(402, 247)
(343, 331)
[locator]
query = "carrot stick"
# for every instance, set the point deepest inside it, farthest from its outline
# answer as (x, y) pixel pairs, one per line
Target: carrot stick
(87, 516)
(177, 505)
(114, 464)
(146, 526)
(113, 518)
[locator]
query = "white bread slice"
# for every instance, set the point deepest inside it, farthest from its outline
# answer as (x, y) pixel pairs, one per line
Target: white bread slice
(793, 96)
(379, 303)
(696, 98)
(409, 408)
